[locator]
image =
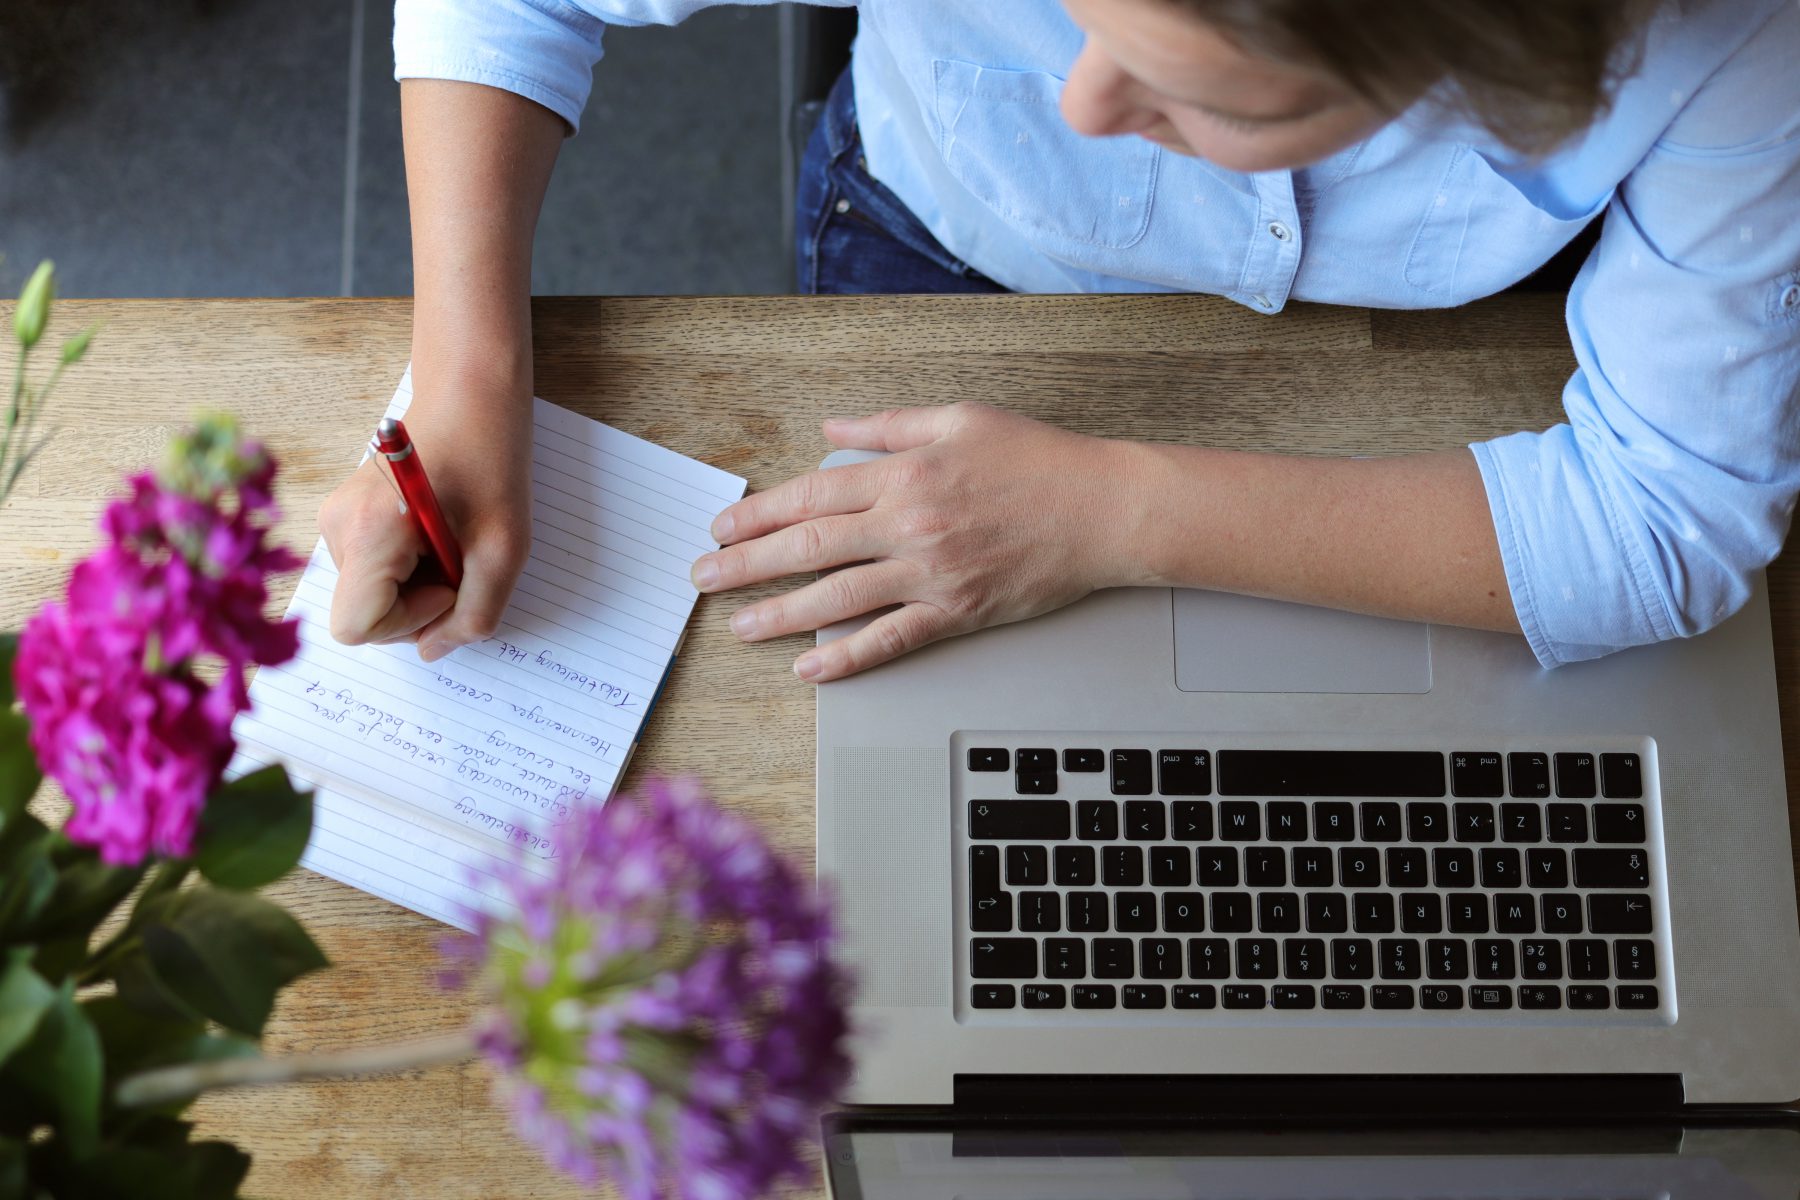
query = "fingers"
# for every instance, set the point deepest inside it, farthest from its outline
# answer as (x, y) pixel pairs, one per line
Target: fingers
(895, 429)
(376, 549)
(808, 546)
(886, 637)
(837, 597)
(830, 492)
(490, 572)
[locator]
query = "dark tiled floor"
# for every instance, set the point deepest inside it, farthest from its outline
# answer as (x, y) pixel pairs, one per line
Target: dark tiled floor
(204, 150)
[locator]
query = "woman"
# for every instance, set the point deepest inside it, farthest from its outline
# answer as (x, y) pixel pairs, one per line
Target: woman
(1346, 151)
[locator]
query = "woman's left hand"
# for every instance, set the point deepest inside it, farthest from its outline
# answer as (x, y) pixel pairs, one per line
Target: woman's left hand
(978, 517)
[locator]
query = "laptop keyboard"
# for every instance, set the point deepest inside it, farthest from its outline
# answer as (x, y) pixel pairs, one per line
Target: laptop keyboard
(1132, 879)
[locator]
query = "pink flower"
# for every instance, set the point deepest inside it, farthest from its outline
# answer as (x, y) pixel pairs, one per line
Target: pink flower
(118, 715)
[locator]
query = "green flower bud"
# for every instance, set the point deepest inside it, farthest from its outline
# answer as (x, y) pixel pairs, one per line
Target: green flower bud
(210, 457)
(77, 346)
(34, 304)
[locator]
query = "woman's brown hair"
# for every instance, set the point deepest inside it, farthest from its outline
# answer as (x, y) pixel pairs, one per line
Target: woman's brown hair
(1532, 72)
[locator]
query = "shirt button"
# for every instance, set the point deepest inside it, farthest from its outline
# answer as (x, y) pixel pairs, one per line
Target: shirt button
(1279, 232)
(843, 206)
(1790, 298)
(1263, 301)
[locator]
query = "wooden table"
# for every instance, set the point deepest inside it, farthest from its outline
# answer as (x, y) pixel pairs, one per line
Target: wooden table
(741, 384)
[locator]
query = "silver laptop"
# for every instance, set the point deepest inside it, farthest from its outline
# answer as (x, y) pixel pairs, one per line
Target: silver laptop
(1173, 835)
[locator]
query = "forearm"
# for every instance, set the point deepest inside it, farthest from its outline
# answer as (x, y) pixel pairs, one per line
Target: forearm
(478, 161)
(1408, 537)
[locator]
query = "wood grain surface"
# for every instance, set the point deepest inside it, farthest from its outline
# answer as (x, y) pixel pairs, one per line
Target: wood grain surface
(742, 384)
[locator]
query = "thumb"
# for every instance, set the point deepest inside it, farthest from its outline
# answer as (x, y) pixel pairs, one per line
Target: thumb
(894, 429)
(369, 603)
(479, 604)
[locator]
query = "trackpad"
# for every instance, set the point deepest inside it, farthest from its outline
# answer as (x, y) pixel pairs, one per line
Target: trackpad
(1227, 643)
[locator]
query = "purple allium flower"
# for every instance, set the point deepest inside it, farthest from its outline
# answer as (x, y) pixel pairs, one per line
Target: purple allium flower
(118, 715)
(665, 1004)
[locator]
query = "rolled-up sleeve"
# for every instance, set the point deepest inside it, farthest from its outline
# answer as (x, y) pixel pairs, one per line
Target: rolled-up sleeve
(1646, 516)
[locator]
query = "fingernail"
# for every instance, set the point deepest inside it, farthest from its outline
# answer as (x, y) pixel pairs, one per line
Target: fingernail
(810, 666)
(744, 622)
(706, 574)
(430, 652)
(723, 524)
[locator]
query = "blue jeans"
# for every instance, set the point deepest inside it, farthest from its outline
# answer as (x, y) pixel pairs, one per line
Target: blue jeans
(852, 236)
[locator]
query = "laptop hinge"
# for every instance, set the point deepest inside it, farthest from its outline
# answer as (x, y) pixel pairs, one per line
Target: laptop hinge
(1312, 1097)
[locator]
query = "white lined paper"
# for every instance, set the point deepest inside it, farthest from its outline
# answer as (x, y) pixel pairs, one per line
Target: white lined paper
(431, 778)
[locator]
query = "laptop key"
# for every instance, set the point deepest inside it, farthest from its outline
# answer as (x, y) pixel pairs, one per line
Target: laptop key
(1084, 762)
(1547, 868)
(988, 759)
(1575, 776)
(1589, 996)
(1521, 823)
(1500, 868)
(1131, 772)
(1003, 958)
(1342, 995)
(1427, 822)
(1619, 914)
(1256, 958)
(1441, 996)
(1278, 912)
(1568, 822)
(1171, 866)
(1019, 820)
(1634, 959)
(1026, 866)
(1303, 958)
(1287, 821)
(1360, 866)
(1621, 777)
(1113, 958)
(1034, 761)
(1240, 821)
(1391, 996)
(1312, 867)
(1638, 995)
(1209, 958)
(1421, 912)
(1098, 820)
(1380, 821)
(1265, 866)
(1490, 996)
(1159, 958)
(1474, 822)
(1191, 820)
(1534, 996)
(1327, 912)
(1034, 783)
(1540, 960)
(1399, 958)
(1352, 958)
(1122, 866)
(1065, 958)
(1494, 959)
(1562, 913)
(1231, 912)
(1588, 959)
(990, 906)
(1452, 868)
(1044, 995)
(1294, 995)
(1331, 772)
(1087, 912)
(1196, 995)
(1333, 821)
(1145, 821)
(1134, 912)
(1040, 912)
(1075, 866)
(992, 995)
(1406, 867)
(1468, 912)
(1095, 995)
(1612, 869)
(1184, 912)
(1245, 995)
(1515, 912)
(1374, 912)
(1146, 995)
(1530, 773)
(1184, 772)
(1618, 823)
(1447, 958)
(1476, 774)
(1218, 866)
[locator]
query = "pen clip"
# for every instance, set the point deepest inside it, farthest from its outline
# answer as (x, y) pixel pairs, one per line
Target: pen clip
(380, 457)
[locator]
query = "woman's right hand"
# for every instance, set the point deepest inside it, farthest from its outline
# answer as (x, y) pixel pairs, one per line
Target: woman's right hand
(479, 461)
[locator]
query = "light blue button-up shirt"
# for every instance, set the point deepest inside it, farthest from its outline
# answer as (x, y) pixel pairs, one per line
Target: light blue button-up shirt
(1644, 517)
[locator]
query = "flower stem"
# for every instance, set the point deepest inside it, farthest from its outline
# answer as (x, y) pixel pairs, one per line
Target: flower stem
(164, 1084)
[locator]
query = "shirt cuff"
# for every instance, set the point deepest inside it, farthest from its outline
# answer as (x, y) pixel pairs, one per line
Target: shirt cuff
(543, 50)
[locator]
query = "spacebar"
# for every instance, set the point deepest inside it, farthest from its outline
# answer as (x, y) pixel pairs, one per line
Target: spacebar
(1331, 773)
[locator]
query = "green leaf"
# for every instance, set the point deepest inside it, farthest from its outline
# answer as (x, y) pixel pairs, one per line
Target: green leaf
(146, 993)
(27, 874)
(19, 772)
(136, 1041)
(24, 998)
(226, 954)
(9, 650)
(164, 1169)
(12, 1168)
(60, 1066)
(253, 830)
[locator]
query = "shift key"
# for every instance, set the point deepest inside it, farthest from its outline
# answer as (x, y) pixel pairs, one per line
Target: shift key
(1019, 820)
(1003, 958)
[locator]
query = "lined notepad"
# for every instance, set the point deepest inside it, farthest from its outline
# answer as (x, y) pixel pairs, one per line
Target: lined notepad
(430, 778)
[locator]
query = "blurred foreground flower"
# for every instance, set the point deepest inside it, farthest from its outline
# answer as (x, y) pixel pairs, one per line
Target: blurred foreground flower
(119, 715)
(665, 1001)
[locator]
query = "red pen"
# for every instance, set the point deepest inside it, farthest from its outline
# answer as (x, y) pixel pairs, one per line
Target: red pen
(417, 498)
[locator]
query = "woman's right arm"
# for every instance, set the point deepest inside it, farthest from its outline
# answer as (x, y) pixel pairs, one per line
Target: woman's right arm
(478, 160)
